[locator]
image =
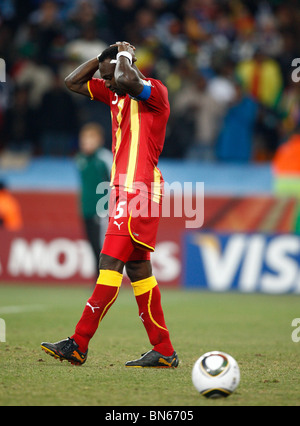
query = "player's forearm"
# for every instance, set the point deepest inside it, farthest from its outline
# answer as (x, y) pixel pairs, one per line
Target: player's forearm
(127, 77)
(81, 75)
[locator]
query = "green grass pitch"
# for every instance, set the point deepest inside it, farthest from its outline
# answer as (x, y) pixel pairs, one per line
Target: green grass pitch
(255, 329)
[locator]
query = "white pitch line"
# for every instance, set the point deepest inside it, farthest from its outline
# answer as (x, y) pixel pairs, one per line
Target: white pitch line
(20, 309)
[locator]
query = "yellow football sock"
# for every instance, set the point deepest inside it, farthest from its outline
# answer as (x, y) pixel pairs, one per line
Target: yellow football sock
(110, 278)
(143, 286)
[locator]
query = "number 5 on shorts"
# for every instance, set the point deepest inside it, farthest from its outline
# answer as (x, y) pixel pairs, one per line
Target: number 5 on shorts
(120, 210)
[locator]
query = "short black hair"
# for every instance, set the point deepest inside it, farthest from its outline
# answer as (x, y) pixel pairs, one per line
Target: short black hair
(109, 53)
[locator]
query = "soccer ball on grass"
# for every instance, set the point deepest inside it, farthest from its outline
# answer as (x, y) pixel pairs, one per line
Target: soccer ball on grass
(216, 374)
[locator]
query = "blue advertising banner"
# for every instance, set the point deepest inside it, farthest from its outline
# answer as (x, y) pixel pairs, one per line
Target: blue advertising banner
(242, 262)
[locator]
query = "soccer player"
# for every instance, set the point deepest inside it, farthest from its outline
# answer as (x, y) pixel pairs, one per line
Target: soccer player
(139, 111)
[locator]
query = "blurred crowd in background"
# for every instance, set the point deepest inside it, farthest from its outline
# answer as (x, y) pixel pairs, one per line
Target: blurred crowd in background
(227, 65)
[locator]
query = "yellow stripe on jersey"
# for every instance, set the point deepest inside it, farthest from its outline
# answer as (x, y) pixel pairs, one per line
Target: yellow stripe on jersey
(156, 186)
(89, 89)
(118, 139)
(134, 144)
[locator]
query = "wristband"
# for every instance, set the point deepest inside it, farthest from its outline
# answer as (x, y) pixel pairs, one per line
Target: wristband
(146, 92)
(126, 54)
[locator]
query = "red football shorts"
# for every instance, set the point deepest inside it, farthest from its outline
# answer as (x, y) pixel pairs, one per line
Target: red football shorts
(132, 228)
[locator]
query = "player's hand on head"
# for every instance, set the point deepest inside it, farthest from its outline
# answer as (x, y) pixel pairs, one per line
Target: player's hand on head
(124, 46)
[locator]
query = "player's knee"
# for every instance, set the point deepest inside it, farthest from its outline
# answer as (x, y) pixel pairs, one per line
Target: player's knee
(111, 263)
(138, 270)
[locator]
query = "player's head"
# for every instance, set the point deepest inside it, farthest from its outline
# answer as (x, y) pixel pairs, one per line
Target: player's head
(109, 53)
(91, 138)
(107, 67)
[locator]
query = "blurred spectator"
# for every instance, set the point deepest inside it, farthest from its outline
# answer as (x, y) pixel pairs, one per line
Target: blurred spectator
(10, 212)
(171, 36)
(48, 28)
(20, 128)
(220, 86)
(35, 75)
(290, 107)
(267, 133)
(270, 40)
(6, 38)
(261, 78)
(121, 16)
(196, 119)
(86, 47)
(290, 51)
(145, 25)
(94, 163)
(84, 14)
(58, 121)
(235, 141)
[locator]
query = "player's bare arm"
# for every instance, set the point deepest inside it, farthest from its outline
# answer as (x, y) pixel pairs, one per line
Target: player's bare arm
(127, 76)
(77, 80)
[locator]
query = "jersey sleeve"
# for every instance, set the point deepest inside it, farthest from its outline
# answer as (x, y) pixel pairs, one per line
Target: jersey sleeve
(98, 91)
(157, 97)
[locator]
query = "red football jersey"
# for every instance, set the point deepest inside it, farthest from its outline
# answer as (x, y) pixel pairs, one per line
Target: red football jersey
(138, 134)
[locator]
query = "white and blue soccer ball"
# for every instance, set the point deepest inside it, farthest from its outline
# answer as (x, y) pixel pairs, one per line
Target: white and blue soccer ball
(216, 374)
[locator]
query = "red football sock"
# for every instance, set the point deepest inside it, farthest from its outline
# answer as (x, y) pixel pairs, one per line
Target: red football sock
(152, 316)
(96, 308)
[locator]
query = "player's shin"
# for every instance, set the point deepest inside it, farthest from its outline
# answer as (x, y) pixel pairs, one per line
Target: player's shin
(105, 293)
(148, 298)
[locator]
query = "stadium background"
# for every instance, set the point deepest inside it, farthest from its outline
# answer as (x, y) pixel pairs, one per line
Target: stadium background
(228, 68)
